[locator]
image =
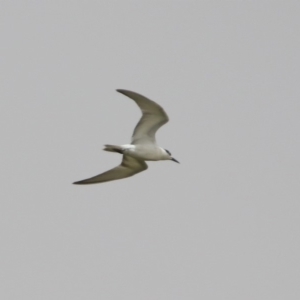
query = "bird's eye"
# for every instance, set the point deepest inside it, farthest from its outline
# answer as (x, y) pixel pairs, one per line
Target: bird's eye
(168, 152)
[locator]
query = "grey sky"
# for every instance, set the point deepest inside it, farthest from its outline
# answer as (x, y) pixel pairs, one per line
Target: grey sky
(224, 224)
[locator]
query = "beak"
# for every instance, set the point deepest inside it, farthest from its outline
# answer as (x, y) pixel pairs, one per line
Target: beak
(175, 160)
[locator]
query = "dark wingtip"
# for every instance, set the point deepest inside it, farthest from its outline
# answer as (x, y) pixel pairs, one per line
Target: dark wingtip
(123, 91)
(79, 182)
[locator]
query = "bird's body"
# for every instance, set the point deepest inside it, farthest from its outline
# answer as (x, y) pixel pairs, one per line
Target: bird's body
(143, 145)
(150, 152)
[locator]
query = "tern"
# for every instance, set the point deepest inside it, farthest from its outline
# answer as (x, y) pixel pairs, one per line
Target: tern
(143, 145)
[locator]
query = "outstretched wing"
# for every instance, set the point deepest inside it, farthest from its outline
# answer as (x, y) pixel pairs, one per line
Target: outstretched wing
(152, 119)
(129, 167)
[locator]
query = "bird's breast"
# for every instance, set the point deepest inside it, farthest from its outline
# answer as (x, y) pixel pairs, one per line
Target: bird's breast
(144, 152)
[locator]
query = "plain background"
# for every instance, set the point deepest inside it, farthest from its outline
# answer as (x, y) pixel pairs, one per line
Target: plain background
(224, 224)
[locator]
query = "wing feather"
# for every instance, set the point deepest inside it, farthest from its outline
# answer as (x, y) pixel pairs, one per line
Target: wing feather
(152, 119)
(129, 167)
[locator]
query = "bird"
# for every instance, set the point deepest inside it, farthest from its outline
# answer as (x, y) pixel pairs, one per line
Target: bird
(143, 145)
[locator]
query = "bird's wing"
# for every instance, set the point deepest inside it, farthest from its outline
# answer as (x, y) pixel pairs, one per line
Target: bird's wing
(129, 167)
(152, 119)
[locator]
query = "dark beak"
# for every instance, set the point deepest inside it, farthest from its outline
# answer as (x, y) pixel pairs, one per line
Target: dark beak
(175, 160)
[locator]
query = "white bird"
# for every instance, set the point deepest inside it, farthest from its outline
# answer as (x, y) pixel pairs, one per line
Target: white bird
(143, 145)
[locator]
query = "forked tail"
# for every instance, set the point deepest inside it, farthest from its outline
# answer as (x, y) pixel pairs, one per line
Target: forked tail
(113, 148)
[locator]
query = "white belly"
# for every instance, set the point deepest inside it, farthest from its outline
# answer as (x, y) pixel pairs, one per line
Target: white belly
(144, 152)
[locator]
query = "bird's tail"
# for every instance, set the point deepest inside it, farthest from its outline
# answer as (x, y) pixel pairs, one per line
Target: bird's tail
(113, 148)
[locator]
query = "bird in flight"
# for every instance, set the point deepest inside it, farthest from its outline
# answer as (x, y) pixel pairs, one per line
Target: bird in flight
(143, 145)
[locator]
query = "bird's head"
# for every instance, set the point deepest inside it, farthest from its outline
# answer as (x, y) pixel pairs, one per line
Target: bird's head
(169, 156)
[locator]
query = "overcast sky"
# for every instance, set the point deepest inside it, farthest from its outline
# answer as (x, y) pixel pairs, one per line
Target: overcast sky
(223, 224)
